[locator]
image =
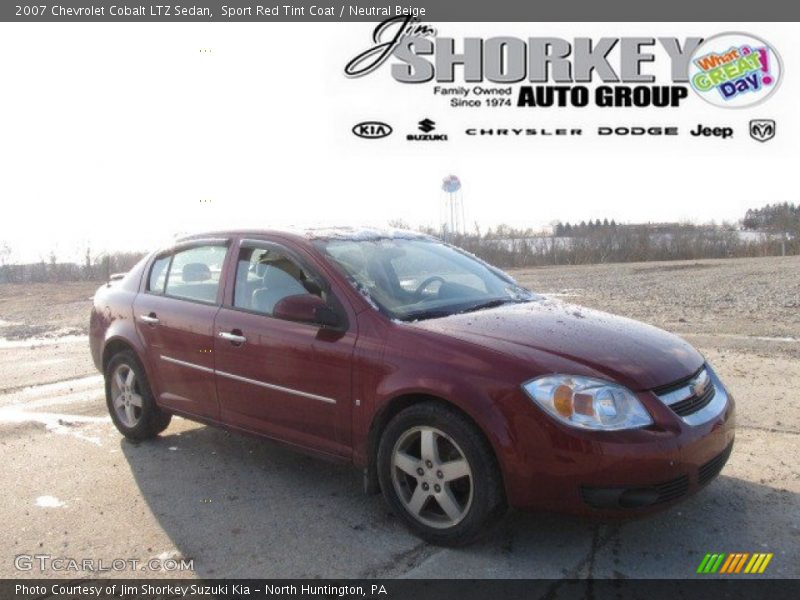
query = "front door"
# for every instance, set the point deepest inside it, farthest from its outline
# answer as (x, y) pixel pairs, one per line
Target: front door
(288, 380)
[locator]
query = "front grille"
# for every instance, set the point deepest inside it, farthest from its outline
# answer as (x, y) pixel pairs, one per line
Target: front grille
(690, 395)
(638, 497)
(712, 468)
(672, 490)
(676, 385)
(694, 403)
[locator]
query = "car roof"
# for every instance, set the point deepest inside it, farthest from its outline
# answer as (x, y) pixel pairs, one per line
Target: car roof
(313, 233)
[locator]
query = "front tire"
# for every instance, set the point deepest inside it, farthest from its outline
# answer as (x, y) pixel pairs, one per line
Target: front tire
(130, 401)
(439, 475)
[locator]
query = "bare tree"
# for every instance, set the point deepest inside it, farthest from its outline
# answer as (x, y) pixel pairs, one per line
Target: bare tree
(5, 252)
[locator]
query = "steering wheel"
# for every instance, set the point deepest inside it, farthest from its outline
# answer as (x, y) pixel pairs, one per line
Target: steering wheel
(426, 283)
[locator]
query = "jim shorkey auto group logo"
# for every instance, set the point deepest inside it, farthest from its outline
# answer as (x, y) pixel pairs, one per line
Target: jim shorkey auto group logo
(730, 70)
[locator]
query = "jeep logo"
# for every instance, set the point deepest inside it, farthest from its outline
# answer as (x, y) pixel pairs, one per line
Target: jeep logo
(372, 130)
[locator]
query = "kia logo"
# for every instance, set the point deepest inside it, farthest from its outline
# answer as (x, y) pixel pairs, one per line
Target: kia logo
(372, 130)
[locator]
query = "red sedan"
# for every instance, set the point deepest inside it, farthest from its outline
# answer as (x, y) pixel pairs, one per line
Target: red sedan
(457, 391)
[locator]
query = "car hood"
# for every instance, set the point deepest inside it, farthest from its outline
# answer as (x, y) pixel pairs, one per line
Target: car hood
(632, 353)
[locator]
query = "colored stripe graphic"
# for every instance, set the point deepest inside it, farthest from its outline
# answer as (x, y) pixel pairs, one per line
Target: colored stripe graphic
(765, 563)
(714, 563)
(741, 562)
(729, 564)
(749, 566)
(716, 566)
(703, 563)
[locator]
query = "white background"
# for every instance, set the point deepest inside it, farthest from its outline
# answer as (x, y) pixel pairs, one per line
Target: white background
(113, 134)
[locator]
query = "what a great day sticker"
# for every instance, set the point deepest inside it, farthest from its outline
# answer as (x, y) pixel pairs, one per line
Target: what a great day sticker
(735, 70)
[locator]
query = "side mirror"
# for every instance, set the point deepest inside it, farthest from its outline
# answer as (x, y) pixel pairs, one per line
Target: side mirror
(306, 308)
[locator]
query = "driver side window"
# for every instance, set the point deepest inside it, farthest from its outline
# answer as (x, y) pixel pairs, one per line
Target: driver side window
(265, 276)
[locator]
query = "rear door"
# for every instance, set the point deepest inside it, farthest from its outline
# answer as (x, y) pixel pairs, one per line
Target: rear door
(288, 380)
(175, 317)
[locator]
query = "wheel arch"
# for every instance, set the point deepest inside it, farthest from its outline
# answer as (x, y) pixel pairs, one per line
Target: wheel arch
(393, 407)
(120, 343)
(113, 347)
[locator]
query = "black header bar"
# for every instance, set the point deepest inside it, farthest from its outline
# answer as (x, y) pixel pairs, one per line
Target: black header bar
(426, 10)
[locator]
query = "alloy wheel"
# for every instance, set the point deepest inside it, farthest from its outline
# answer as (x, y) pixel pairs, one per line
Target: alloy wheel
(126, 395)
(432, 477)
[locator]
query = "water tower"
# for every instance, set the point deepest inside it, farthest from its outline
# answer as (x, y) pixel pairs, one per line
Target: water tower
(452, 219)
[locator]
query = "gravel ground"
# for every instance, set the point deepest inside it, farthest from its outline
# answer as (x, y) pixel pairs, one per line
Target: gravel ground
(45, 309)
(742, 297)
(240, 507)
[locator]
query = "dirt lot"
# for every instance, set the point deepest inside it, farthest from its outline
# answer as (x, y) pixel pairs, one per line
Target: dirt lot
(243, 508)
(44, 309)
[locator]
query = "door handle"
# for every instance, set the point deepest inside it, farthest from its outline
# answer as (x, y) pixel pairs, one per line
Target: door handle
(150, 319)
(232, 337)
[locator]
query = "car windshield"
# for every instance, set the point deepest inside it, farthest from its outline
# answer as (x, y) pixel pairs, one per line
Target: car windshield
(419, 278)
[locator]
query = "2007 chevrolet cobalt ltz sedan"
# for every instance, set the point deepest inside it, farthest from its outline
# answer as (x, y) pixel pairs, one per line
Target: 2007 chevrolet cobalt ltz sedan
(457, 391)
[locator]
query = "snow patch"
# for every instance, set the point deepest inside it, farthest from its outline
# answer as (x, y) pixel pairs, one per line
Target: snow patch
(66, 385)
(49, 502)
(361, 234)
(55, 423)
(37, 342)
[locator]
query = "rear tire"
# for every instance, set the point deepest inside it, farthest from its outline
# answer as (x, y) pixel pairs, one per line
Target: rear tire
(439, 475)
(130, 401)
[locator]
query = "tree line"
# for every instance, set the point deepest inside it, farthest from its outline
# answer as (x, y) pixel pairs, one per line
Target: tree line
(628, 243)
(777, 218)
(772, 230)
(93, 268)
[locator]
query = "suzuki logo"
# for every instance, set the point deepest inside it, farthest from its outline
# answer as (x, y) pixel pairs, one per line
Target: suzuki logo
(426, 125)
(762, 130)
(372, 130)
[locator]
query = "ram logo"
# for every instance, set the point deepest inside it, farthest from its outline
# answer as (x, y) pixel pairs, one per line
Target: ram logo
(762, 130)
(372, 130)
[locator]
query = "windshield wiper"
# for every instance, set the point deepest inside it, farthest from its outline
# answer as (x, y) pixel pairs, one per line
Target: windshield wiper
(421, 315)
(488, 304)
(442, 312)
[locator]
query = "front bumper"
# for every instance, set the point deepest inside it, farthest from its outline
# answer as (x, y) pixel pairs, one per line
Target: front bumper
(637, 496)
(618, 473)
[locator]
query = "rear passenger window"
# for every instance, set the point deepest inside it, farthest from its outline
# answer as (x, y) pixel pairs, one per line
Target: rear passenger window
(195, 273)
(158, 275)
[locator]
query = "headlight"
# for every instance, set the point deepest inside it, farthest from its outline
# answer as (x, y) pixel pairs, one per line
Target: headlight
(588, 403)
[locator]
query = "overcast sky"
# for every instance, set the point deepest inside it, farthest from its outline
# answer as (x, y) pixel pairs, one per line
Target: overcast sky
(121, 135)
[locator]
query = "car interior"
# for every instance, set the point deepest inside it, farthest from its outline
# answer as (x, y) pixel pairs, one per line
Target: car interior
(197, 282)
(265, 277)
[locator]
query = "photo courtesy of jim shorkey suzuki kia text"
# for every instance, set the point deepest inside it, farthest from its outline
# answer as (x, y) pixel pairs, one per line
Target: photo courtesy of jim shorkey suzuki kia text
(371, 293)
